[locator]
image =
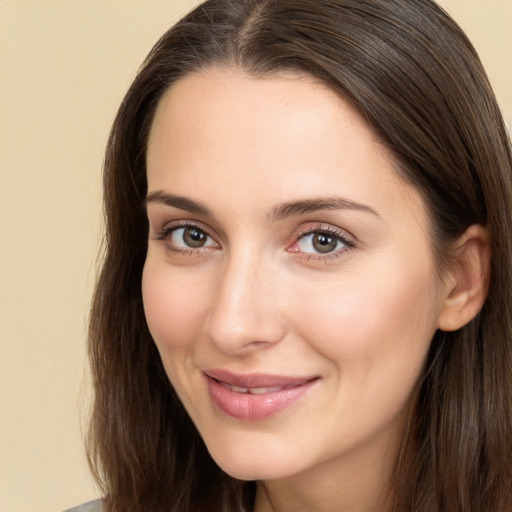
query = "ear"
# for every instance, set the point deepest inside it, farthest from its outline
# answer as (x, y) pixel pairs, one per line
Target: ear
(467, 280)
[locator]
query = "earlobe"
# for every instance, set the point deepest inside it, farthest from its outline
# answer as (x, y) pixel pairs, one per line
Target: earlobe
(467, 282)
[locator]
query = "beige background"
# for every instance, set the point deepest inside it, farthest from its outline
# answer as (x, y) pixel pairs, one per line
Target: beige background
(64, 66)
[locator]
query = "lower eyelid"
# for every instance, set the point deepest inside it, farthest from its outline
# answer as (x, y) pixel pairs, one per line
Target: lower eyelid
(326, 258)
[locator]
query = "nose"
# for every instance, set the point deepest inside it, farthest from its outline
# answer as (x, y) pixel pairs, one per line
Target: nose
(245, 313)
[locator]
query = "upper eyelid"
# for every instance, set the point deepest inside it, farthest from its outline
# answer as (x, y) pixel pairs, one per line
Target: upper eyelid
(327, 228)
(184, 223)
(159, 219)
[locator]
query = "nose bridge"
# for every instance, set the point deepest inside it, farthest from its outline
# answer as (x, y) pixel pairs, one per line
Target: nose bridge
(243, 312)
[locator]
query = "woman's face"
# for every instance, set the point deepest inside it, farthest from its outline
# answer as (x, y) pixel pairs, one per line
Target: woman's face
(289, 283)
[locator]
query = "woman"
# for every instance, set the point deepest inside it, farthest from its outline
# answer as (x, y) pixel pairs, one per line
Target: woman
(305, 299)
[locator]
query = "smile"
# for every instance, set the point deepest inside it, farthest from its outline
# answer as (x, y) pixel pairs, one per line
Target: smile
(257, 396)
(252, 391)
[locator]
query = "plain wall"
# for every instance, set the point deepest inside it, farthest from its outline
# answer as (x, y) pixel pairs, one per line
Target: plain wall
(64, 67)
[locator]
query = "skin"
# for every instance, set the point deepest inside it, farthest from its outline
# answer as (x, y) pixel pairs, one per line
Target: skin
(258, 297)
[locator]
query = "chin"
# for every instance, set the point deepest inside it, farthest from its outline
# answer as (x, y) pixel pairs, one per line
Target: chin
(250, 472)
(254, 464)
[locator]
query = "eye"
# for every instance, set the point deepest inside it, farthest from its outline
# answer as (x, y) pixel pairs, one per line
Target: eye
(322, 241)
(190, 238)
(181, 238)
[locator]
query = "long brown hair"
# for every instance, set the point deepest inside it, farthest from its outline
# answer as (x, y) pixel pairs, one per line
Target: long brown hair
(413, 75)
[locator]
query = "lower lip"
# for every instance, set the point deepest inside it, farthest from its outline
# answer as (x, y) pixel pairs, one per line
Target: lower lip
(244, 406)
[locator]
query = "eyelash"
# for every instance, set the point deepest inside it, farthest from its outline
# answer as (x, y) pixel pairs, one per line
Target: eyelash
(330, 231)
(164, 233)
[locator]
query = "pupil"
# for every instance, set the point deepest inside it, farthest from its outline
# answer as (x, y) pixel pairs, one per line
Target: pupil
(194, 237)
(324, 243)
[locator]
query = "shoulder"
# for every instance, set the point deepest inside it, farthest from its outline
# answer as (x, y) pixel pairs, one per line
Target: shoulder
(90, 506)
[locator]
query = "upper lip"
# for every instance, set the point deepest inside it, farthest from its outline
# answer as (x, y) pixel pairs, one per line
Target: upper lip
(256, 380)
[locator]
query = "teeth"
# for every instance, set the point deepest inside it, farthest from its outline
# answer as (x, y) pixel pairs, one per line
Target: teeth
(253, 391)
(239, 389)
(262, 391)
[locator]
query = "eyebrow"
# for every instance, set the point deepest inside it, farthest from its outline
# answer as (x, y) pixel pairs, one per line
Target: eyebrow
(279, 212)
(183, 203)
(284, 210)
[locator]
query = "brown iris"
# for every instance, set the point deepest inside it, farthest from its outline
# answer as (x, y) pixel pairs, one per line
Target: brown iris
(324, 243)
(194, 237)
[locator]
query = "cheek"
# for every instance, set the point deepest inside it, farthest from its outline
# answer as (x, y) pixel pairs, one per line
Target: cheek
(375, 331)
(383, 317)
(174, 305)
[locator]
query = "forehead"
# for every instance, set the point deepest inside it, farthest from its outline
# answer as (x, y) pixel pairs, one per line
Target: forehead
(223, 134)
(229, 98)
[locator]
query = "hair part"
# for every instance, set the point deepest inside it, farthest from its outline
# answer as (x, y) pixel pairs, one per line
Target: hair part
(413, 75)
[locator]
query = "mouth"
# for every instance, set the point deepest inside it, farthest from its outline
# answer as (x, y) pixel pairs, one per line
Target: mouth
(255, 396)
(254, 391)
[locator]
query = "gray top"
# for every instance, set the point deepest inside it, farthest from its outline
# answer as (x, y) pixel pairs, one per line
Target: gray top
(90, 506)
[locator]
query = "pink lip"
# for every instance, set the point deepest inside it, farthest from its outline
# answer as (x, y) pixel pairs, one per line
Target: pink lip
(266, 394)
